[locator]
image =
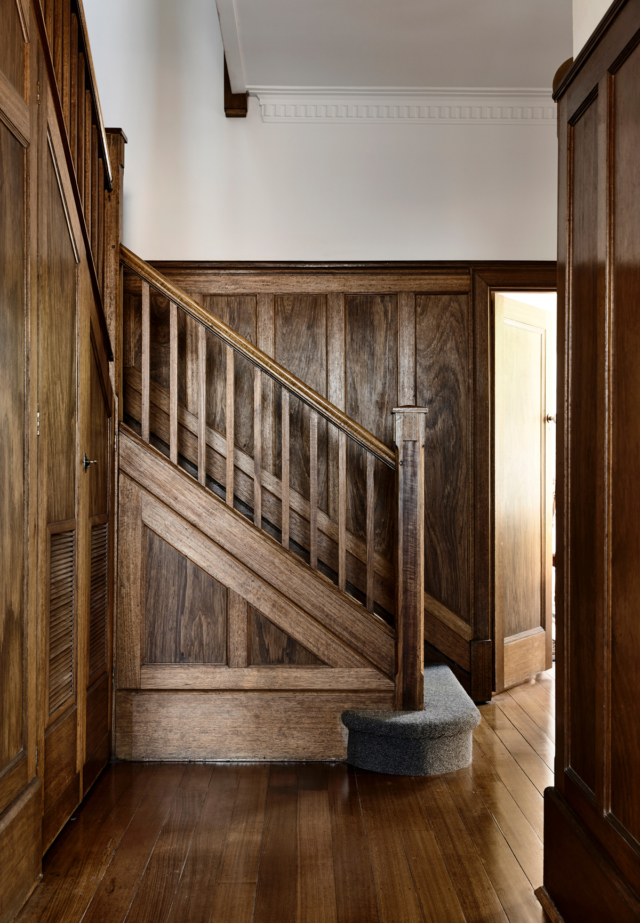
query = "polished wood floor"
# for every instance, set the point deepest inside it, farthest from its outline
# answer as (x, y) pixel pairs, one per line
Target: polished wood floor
(315, 842)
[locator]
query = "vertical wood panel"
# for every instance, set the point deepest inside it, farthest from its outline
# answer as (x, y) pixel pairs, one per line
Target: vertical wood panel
(406, 349)
(624, 630)
(237, 630)
(443, 382)
(372, 393)
(301, 346)
(12, 444)
(583, 401)
(12, 46)
(335, 387)
(240, 313)
(185, 608)
(266, 333)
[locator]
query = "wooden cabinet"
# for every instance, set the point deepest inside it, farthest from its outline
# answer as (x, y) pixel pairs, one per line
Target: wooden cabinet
(56, 403)
(592, 814)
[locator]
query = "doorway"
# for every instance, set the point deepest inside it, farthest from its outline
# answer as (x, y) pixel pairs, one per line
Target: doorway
(524, 471)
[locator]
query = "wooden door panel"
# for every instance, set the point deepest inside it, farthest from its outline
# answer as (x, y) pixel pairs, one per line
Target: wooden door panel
(625, 484)
(12, 445)
(592, 847)
(582, 325)
(59, 547)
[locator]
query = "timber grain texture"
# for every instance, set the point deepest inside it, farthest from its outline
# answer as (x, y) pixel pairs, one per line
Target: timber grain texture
(242, 547)
(306, 842)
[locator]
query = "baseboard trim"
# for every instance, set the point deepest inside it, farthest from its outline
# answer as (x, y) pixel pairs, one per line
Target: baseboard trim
(548, 906)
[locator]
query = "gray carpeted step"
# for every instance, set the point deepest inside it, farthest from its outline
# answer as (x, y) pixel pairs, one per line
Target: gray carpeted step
(416, 743)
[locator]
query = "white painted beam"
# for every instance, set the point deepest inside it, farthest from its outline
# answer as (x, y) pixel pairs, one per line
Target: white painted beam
(228, 16)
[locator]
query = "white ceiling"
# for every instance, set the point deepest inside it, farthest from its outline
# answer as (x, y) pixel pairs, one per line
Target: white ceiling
(395, 43)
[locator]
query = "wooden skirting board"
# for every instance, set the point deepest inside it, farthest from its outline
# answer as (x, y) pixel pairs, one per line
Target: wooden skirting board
(236, 725)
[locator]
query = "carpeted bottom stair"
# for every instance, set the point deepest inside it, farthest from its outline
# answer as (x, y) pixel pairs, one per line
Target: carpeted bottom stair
(416, 743)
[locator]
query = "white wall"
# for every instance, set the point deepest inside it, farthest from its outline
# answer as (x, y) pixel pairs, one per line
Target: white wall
(586, 16)
(200, 186)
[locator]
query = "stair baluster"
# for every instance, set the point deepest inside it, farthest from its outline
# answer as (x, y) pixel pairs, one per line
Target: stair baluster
(230, 425)
(146, 361)
(371, 531)
(342, 511)
(173, 384)
(202, 405)
(313, 489)
(285, 468)
(257, 448)
(338, 531)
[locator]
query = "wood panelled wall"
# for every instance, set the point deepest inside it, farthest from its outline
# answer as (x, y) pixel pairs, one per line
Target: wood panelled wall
(56, 536)
(592, 814)
(370, 337)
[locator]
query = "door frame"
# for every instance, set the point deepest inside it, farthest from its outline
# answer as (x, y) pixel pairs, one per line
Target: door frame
(528, 641)
(486, 280)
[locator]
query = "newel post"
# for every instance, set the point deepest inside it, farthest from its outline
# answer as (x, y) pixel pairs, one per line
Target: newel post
(410, 432)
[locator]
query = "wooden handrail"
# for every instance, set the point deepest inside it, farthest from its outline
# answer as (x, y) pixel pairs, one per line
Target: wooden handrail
(258, 358)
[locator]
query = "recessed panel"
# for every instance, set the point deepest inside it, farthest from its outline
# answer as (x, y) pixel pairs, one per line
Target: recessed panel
(271, 645)
(584, 444)
(625, 484)
(301, 347)
(185, 608)
(442, 384)
(12, 46)
(371, 357)
(12, 448)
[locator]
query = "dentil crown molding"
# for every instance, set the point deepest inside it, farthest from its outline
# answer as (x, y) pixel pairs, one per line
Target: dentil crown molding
(400, 105)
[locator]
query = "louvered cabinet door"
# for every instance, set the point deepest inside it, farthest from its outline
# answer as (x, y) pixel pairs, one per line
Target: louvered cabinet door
(97, 649)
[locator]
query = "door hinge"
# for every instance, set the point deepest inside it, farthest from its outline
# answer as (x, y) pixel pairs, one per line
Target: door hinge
(38, 423)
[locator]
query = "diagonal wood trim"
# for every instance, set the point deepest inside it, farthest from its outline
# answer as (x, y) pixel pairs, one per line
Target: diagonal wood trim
(449, 618)
(222, 566)
(14, 112)
(262, 554)
(448, 642)
(204, 676)
(258, 358)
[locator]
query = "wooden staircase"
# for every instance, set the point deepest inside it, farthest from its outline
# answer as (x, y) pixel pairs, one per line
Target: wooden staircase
(261, 535)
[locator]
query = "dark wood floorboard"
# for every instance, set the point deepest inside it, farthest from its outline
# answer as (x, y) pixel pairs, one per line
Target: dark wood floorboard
(313, 842)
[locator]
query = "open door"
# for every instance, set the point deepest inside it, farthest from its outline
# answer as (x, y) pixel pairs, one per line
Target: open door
(525, 359)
